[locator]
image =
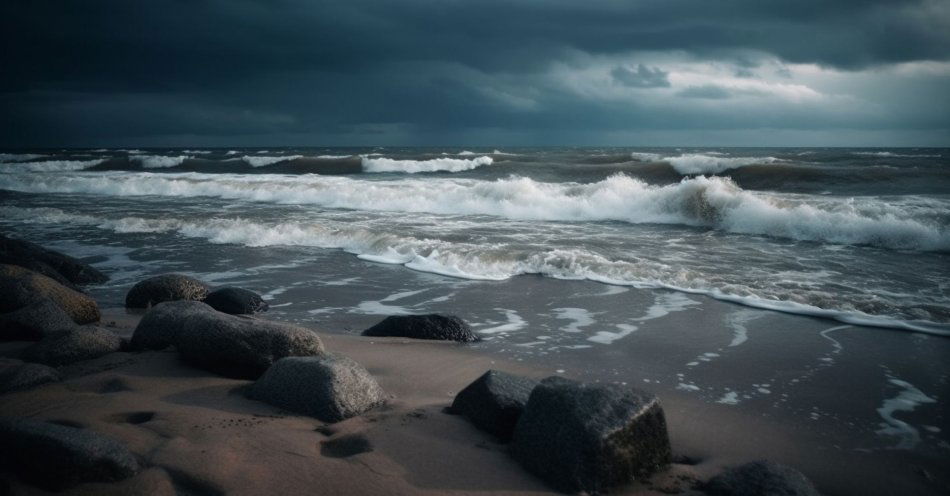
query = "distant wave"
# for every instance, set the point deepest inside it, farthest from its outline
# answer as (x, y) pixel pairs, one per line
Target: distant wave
(333, 157)
(896, 155)
(50, 165)
(701, 201)
(264, 161)
(198, 152)
(414, 166)
(477, 261)
(19, 157)
(159, 161)
(703, 163)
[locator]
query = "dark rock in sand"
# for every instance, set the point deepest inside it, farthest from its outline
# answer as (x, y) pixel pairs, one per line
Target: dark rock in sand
(587, 437)
(62, 268)
(761, 478)
(331, 387)
(161, 324)
(431, 326)
(56, 457)
(20, 287)
(18, 376)
(166, 287)
(239, 346)
(82, 343)
(494, 402)
(236, 301)
(34, 322)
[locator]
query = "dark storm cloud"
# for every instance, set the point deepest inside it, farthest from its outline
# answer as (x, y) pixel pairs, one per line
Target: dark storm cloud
(78, 72)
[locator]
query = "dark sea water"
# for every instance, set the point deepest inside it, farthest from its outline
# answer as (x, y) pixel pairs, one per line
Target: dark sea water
(811, 284)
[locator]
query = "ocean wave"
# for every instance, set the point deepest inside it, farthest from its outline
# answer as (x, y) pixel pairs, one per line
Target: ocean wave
(198, 152)
(159, 161)
(333, 157)
(19, 157)
(50, 165)
(414, 166)
(703, 163)
(265, 161)
(896, 155)
(713, 202)
(492, 261)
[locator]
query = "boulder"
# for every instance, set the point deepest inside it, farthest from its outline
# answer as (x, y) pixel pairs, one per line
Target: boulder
(431, 326)
(590, 437)
(166, 287)
(34, 322)
(239, 346)
(82, 343)
(62, 268)
(236, 301)
(20, 287)
(18, 376)
(331, 387)
(56, 457)
(494, 402)
(161, 324)
(760, 478)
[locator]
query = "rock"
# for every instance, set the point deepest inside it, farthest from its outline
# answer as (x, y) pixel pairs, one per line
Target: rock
(18, 376)
(761, 478)
(161, 324)
(236, 301)
(34, 322)
(83, 343)
(331, 387)
(166, 287)
(431, 326)
(20, 287)
(56, 457)
(586, 437)
(494, 402)
(239, 346)
(62, 268)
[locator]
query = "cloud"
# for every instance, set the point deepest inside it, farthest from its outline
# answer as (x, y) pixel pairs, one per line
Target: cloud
(642, 77)
(707, 91)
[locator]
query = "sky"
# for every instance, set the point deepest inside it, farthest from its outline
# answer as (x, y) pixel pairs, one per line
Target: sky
(482, 72)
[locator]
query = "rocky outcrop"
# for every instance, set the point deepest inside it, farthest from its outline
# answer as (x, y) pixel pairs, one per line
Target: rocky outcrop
(494, 402)
(331, 387)
(18, 376)
(431, 326)
(166, 287)
(20, 287)
(162, 323)
(34, 322)
(56, 457)
(236, 301)
(586, 437)
(238, 346)
(761, 478)
(62, 268)
(82, 343)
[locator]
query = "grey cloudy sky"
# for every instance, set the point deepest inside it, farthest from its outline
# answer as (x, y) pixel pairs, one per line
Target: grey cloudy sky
(520, 72)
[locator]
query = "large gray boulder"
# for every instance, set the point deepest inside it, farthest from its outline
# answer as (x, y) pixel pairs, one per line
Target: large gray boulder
(166, 287)
(56, 457)
(431, 326)
(34, 322)
(590, 437)
(494, 402)
(760, 478)
(236, 301)
(239, 346)
(20, 287)
(18, 376)
(82, 343)
(62, 268)
(162, 323)
(331, 387)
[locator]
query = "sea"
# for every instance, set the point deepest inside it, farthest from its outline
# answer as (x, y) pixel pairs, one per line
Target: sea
(809, 283)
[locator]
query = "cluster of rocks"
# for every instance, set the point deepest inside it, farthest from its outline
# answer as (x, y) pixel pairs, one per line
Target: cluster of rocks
(177, 287)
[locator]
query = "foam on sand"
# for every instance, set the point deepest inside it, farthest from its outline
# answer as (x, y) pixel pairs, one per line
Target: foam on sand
(383, 164)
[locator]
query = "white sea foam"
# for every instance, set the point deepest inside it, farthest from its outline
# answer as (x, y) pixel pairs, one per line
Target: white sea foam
(265, 161)
(383, 164)
(513, 322)
(159, 161)
(19, 157)
(50, 165)
(907, 400)
(578, 318)
(897, 155)
(702, 163)
(333, 156)
(199, 152)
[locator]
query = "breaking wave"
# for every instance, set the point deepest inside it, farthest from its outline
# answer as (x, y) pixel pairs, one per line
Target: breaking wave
(896, 155)
(159, 161)
(703, 163)
(414, 166)
(911, 223)
(19, 157)
(50, 165)
(264, 161)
